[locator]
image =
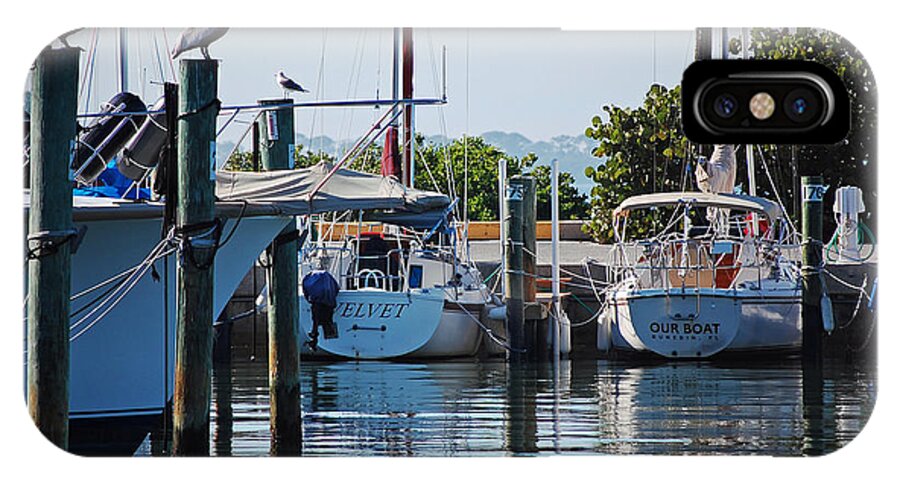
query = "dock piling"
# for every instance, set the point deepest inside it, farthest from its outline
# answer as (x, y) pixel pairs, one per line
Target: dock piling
(811, 257)
(514, 287)
(533, 311)
(520, 286)
(50, 231)
(199, 233)
(282, 277)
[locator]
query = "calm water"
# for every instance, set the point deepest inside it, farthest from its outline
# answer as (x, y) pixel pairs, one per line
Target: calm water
(488, 408)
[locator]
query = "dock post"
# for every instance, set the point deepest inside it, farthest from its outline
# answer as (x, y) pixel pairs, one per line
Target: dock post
(534, 341)
(50, 231)
(811, 253)
(556, 314)
(514, 284)
(277, 153)
(198, 238)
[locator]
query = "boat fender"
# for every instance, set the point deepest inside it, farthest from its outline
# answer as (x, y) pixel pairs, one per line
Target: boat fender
(105, 136)
(604, 331)
(827, 311)
(497, 313)
(141, 153)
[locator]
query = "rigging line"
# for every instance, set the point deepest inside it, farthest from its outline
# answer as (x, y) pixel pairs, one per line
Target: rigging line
(103, 283)
(653, 54)
(378, 65)
(772, 183)
(152, 255)
(355, 69)
(89, 90)
(159, 64)
(228, 122)
(112, 306)
(141, 68)
(118, 299)
(320, 85)
(428, 169)
(171, 62)
(466, 148)
(92, 49)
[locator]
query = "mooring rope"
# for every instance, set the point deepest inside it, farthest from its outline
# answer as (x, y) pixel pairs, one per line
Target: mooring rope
(502, 342)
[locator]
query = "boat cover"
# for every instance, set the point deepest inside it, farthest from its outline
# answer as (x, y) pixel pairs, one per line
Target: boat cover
(289, 191)
(284, 193)
(700, 199)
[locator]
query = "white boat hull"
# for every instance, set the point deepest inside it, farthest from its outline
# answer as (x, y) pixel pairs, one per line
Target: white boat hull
(374, 324)
(698, 323)
(428, 327)
(119, 366)
(457, 334)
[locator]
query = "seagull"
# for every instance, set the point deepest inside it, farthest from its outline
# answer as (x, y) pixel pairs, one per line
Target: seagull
(288, 84)
(201, 38)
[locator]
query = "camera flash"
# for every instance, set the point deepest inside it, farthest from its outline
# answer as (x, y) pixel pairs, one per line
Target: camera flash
(762, 106)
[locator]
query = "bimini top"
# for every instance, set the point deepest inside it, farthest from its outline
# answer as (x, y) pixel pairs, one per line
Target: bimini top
(700, 199)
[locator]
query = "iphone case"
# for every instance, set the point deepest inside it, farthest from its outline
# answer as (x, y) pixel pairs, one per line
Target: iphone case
(438, 242)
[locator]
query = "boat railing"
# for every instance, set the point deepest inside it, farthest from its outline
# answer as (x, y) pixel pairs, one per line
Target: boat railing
(692, 262)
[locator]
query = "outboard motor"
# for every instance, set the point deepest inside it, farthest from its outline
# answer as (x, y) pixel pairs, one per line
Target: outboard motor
(141, 153)
(320, 290)
(105, 136)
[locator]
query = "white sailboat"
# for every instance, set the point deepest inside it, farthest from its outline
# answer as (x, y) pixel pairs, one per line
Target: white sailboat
(695, 291)
(399, 297)
(692, 290)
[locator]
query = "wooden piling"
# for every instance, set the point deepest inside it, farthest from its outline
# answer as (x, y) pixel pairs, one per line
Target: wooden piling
(276, 152)
(50, 231)
(198, 107)
(514, 292)
(811, 259)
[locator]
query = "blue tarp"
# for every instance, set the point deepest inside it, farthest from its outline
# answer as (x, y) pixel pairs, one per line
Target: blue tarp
(113, 185)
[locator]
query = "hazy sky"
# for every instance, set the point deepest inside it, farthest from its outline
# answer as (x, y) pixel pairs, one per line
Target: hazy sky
(540, 83)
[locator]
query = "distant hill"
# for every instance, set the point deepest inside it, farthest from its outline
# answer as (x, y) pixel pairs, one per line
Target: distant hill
(573, 151)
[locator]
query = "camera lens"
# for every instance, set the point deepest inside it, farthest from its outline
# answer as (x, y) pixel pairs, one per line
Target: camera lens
(725, 105)
(801, 105)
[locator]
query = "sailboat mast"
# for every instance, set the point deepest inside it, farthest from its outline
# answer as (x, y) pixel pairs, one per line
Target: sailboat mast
(748, 149)
(395, 73)
(409, 144)
(123, 59)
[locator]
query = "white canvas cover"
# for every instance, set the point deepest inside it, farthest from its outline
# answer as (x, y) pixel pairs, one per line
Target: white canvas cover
(289, 191)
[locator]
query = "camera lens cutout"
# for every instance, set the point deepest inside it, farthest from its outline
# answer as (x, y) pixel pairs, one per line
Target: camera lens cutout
(762, 101)
(801, 105)
(725, 105)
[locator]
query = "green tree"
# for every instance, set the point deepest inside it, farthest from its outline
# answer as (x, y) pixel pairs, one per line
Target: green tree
(850, 162)
(573, 205)
(641, 150)
(448, 162)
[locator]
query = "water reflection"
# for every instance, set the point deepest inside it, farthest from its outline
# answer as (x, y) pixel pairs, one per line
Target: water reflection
(490, 408)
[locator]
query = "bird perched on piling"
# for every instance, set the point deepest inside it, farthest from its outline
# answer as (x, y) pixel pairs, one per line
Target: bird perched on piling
(201, 38)
(288, 84)
(64, 38)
